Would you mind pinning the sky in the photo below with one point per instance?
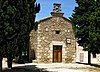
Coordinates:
(67, 7)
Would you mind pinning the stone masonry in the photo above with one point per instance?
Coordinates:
(54, 30)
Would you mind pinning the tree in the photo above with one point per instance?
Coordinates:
(4, 27)
(8, 33)
(1, 41)
(1, 46)
(26, 13)
(85, 24)
(24, 20)
(16, 21)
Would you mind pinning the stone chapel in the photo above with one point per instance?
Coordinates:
(53, 41)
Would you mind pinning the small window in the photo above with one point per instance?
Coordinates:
(58, 32)
(94, 55)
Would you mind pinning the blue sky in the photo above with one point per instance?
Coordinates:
(67, 7)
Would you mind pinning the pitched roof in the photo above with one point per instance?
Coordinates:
(44, 19)
(51, 17)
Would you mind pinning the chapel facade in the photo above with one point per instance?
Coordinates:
(53, 41)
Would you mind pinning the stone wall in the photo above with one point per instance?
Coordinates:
(33, 44)
(46, 36)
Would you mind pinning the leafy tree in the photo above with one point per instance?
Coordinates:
(16, 21)
(85, 21)
(26, 13)
(8, 34)
(1, 45)
(1, 42)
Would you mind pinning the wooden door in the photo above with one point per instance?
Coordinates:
(57, 53)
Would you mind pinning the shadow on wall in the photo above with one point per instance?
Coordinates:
(33, 54)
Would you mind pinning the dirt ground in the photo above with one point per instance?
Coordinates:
(52, 67)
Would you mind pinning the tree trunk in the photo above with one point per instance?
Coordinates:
(9, 61)
(1, 61)
(28, 50)
(89, 57)
(20, 46)
(20, 60)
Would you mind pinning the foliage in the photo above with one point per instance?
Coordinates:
(26, 13)
(16, 21)
(86, 19)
